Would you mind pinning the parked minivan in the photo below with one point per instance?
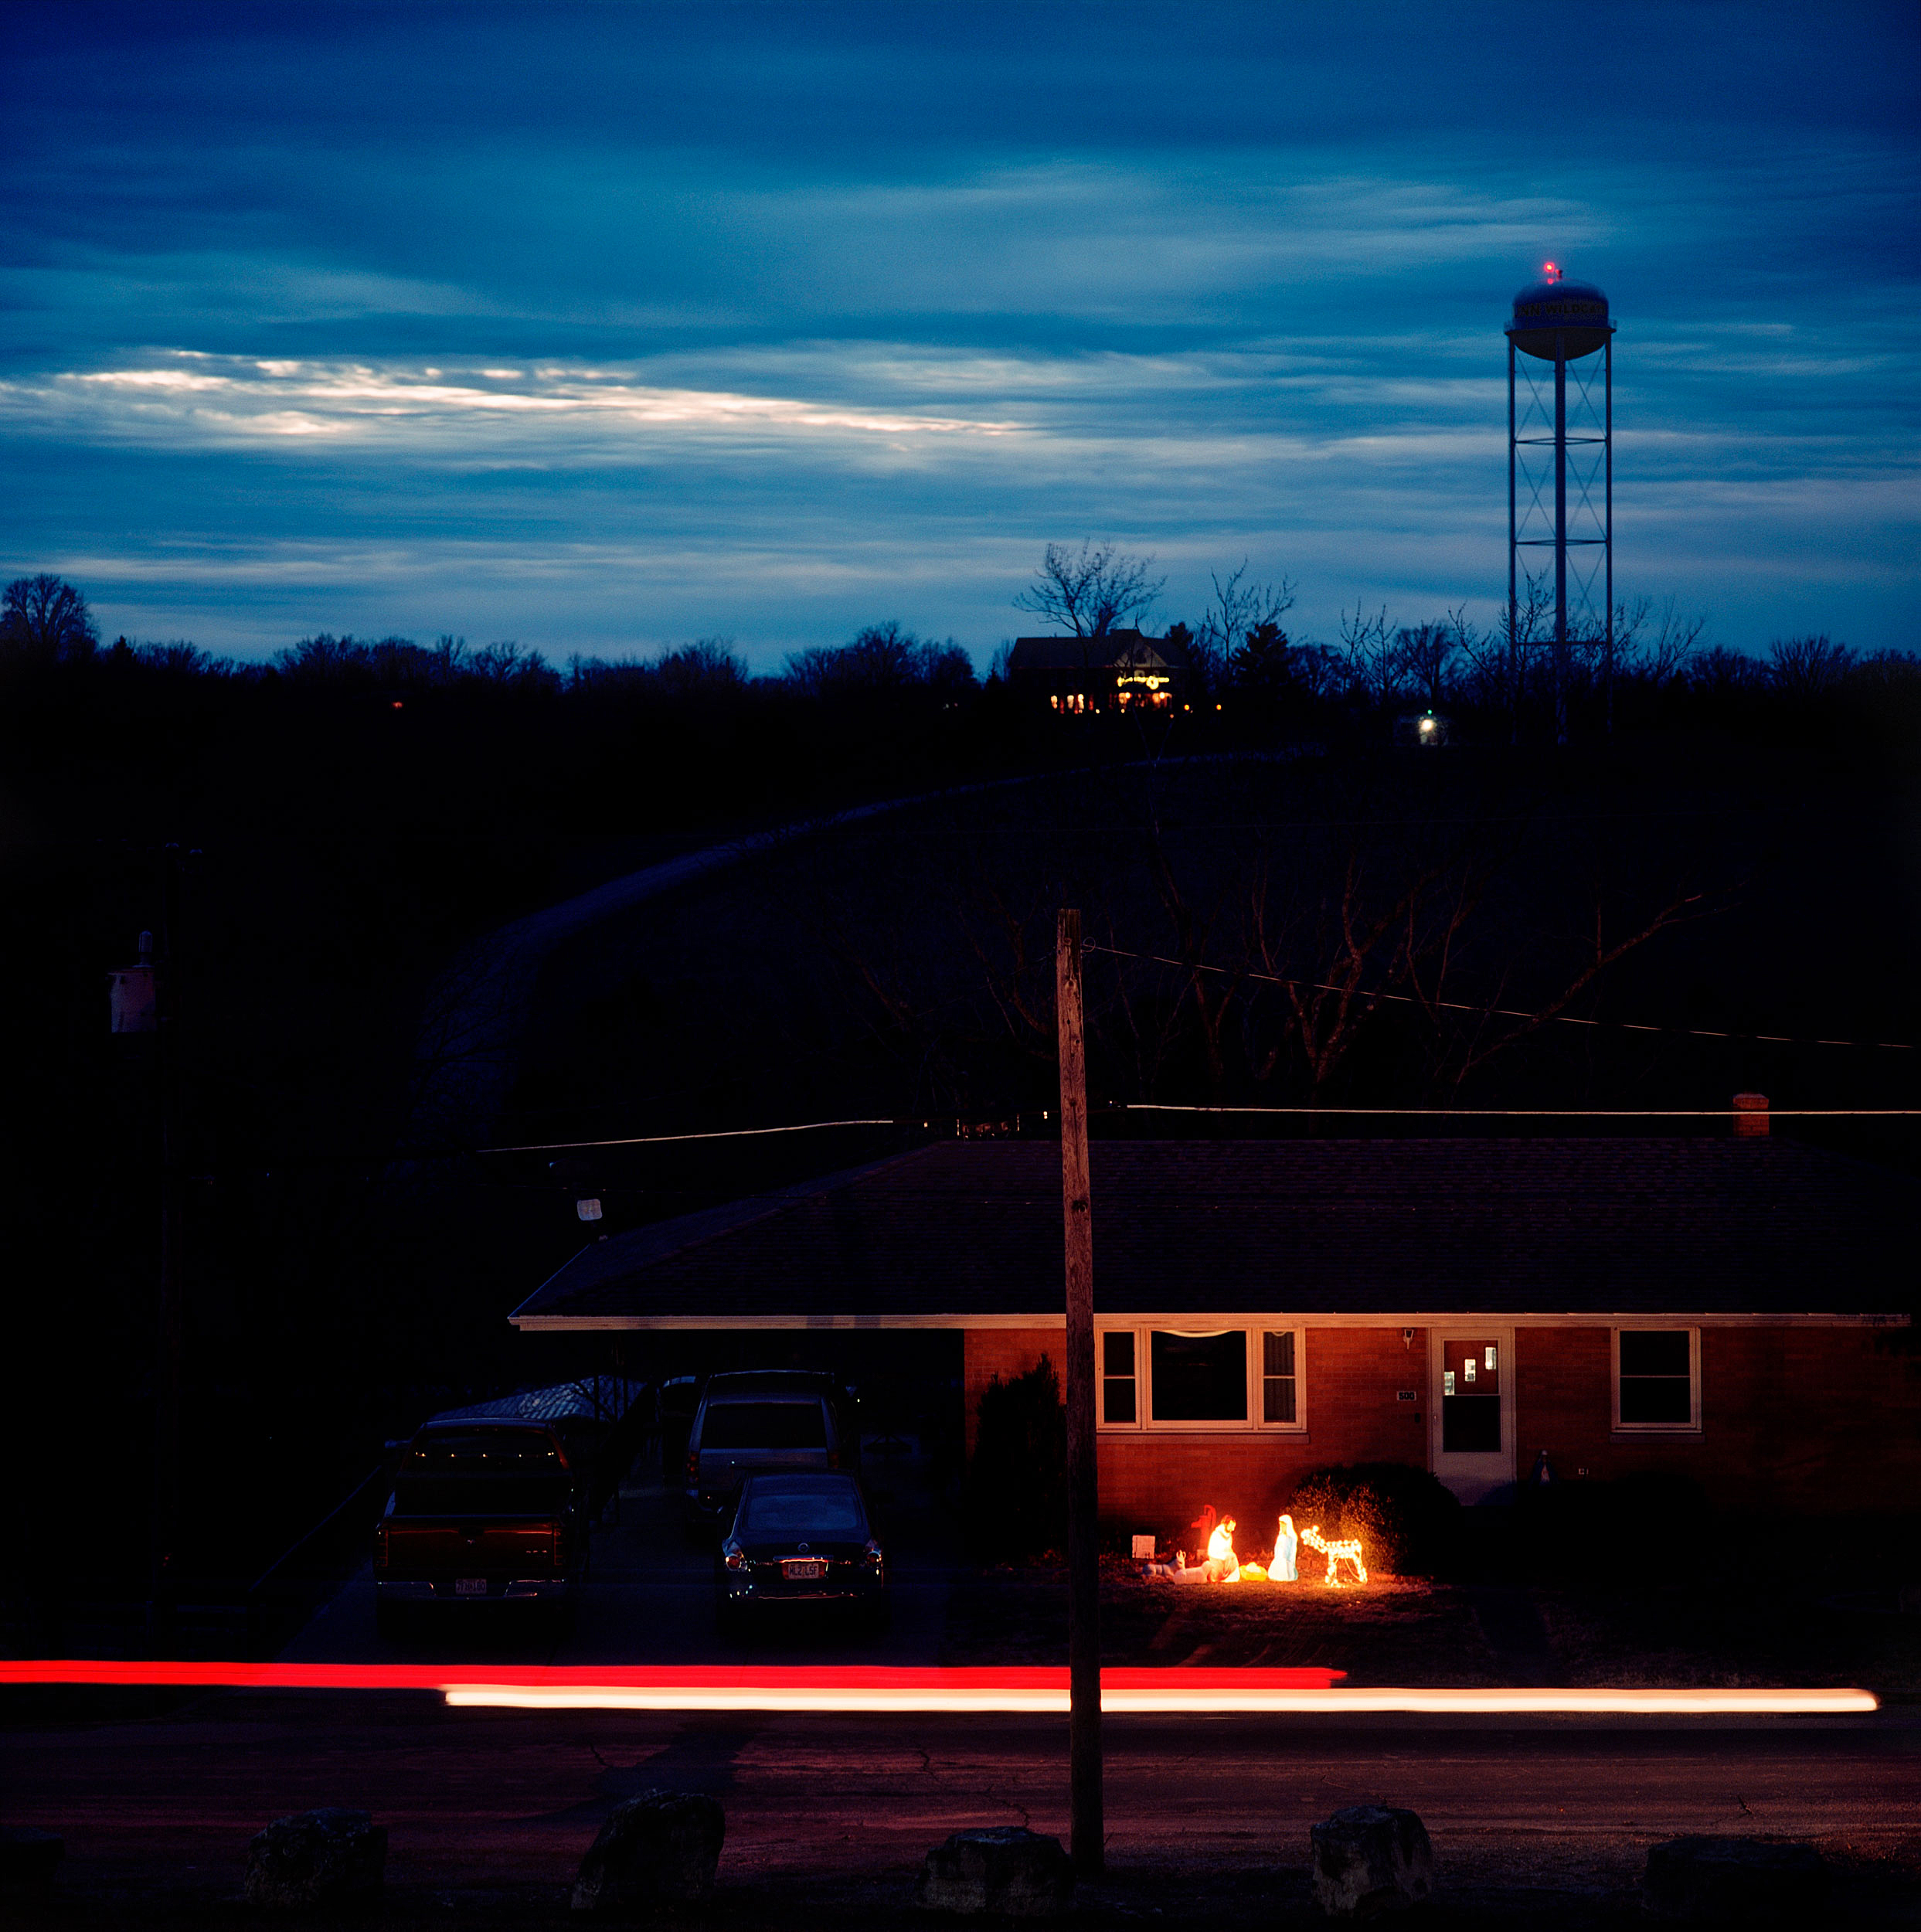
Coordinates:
(774, 1420)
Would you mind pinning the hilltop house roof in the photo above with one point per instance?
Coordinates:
(1112, 650)
(969, 1234)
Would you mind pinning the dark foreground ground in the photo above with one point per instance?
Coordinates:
(1540, 1822)
(1546, 1822)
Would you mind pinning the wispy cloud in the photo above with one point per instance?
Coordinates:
(184, 399)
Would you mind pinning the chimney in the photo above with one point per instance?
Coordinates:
(1750, 1116)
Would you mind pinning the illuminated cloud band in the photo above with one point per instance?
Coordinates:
(183, 398)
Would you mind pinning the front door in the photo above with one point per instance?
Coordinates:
(1470, 1411)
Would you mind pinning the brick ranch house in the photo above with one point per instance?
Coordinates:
(1718, 1308)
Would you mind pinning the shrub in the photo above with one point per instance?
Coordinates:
(1017, 1484)
(1406, 1519)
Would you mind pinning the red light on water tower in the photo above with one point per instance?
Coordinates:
(1549, 269)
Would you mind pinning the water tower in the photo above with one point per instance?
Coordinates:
(1561, 467)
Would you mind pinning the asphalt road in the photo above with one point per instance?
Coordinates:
(491, 1811)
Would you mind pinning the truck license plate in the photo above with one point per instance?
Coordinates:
(801, 1573)
(470, 1585)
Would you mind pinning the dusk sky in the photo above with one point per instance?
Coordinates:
(607, 328)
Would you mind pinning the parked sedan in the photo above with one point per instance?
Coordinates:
(796, 1540)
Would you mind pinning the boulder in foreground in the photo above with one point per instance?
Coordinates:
(660, 1849)
(29, 1856)
(1006, 1869)
(1372, 1858)
(330, 1857)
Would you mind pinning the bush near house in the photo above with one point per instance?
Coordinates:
(1593, 1532)
(1406, 1519)
(1017, 1484)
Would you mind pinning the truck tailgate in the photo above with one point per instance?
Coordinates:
(431, 1550)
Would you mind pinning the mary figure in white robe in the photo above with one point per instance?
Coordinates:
(1286, 1547)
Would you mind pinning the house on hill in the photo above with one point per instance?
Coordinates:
(1718, 1308)
(1119, 670)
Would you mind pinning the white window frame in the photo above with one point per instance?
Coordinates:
(1251, 1330)
(1692, 1425)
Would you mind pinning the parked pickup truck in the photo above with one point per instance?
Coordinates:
(483, 1511)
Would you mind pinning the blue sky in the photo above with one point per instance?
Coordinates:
(606, 328)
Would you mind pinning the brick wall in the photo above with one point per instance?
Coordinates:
(1160, 1480)
(1798, 1418)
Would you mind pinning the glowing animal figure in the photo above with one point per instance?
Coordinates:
(1348, 1549)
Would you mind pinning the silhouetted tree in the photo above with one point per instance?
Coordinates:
(1094, 592)
(45, 619)
(1655, 645)
(1239, 608)
(1370, 655)
(1804, 668)
(882, 658)
(1427, 654)
(1263, 665)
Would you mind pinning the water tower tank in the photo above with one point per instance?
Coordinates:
(1576, 311)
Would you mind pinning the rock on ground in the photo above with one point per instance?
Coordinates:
(1007, 1869)
(1748, 1880)
(1372, 1858)
(330, 1857)
(660, 1848)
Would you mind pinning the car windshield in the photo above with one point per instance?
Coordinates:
(765, 1425)
(828, 1513)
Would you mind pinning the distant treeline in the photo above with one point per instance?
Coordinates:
(1247, 673)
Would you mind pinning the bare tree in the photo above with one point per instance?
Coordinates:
(1808, 668)
(1371, 653)
(1240, 609)
(1658, 645)
(883, 656)
(45, 618)
(1522, 627)
(1091, 593)
(1428, 651)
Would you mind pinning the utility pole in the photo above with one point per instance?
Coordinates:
(1084, 1485)
(173, 1229)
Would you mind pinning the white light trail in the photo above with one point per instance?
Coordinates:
(1174, 1700)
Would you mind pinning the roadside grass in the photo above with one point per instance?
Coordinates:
(1713, 1616)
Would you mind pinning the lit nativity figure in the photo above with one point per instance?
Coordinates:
(1223, 1566)
(1287, 1549)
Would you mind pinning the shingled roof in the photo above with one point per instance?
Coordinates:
(1111, 651)
(969, 1233)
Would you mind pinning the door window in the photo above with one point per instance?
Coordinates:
(1470, 1395)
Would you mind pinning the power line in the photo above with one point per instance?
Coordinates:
(1502, 1012)
(1009, 1126)
(923, 1122)
(1553, 1113)
(719, 1134)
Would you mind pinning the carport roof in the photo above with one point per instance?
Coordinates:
(969, 1233)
